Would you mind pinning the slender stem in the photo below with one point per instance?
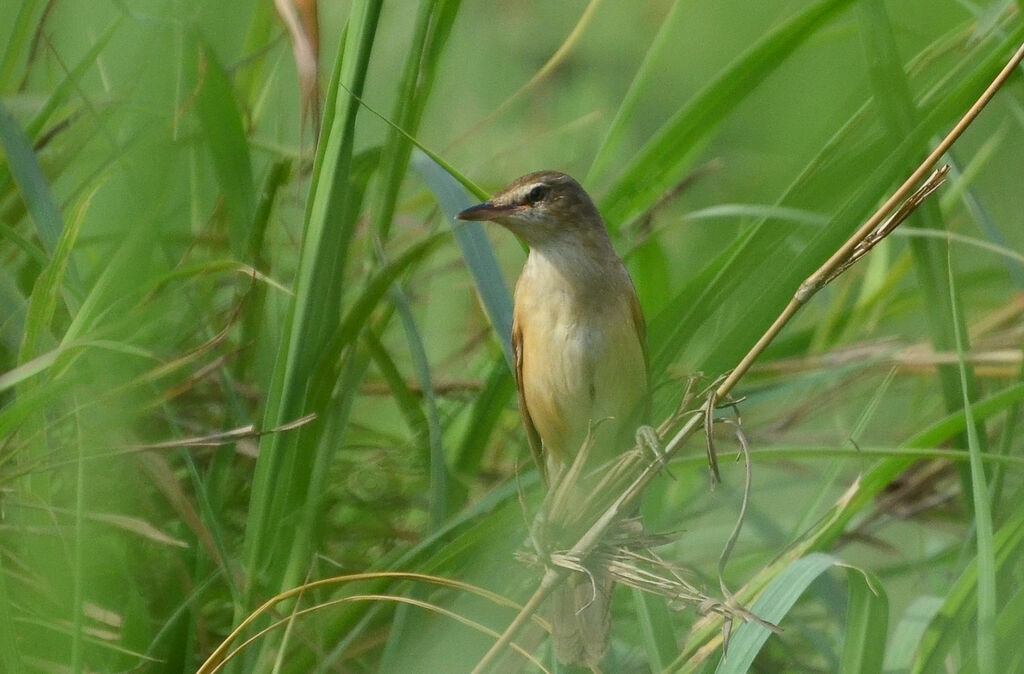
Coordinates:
(814, 280)
(552, 577)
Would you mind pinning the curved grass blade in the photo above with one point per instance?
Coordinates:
(476, 249)
(772, 605)
(867, 621)
(473, 526)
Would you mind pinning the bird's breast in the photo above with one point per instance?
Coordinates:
(583, 360)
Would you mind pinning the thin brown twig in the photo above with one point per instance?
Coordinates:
(817, 280)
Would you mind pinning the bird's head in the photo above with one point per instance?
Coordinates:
(541, 208)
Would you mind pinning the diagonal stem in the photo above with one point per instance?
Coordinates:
(814, 280)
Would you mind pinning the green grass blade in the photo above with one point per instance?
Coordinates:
(10, 654)
(476, 249)
(1011, 621)
(634, 96)
(861, 495)
(426, 556)
(433, 26)
(772, 605)
(959, 612)
(659, 638)
(402, 396)
(47, 291)
(28, 175)
(757, 254)
(13, 306)
(665, 159)
(438, 496)
(78, 570)
(302, 501)
(908, 632)
(224, 133)
(24, 25)
(488, 407)
(72, 80)
(986, 624)
(867, 621)
(330, 220)
(892, 91)
(61, 92)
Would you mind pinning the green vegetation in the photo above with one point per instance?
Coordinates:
(234, 359)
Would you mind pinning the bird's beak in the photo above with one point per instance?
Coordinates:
(484, 211)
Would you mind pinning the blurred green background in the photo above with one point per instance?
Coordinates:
(186, 272)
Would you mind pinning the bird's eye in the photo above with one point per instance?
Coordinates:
(536, 194)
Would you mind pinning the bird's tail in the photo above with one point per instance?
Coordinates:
(581, 618)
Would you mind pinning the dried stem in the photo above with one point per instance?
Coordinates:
(815, 280)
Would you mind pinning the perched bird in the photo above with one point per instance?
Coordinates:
(579, 341)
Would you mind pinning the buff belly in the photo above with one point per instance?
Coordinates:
(583, 369)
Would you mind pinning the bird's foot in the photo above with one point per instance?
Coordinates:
(647, 438)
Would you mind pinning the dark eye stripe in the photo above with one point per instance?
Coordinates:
(536, 194)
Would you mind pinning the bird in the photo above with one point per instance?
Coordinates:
(579, 343)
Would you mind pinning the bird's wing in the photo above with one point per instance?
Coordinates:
(531, 431)
(640, 325)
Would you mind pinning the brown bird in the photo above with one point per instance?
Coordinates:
(579, 341)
